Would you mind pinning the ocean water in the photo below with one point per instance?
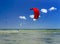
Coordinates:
(29, 37)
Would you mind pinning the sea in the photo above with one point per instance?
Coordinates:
(30, 36)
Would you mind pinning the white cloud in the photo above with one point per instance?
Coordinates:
(32, 16)
(44, 10)
(52, 8)
(22, 17)
(34, 19)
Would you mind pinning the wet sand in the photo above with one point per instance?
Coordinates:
(30, 37)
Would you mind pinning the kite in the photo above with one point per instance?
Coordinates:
(36, 12)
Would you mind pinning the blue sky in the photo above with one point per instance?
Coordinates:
(10, 10)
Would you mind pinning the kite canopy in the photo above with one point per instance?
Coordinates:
(36, 12)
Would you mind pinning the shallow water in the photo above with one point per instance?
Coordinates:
(30, 37)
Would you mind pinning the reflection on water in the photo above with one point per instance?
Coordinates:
(30, 37)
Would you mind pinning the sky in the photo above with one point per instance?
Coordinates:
(10, 10)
